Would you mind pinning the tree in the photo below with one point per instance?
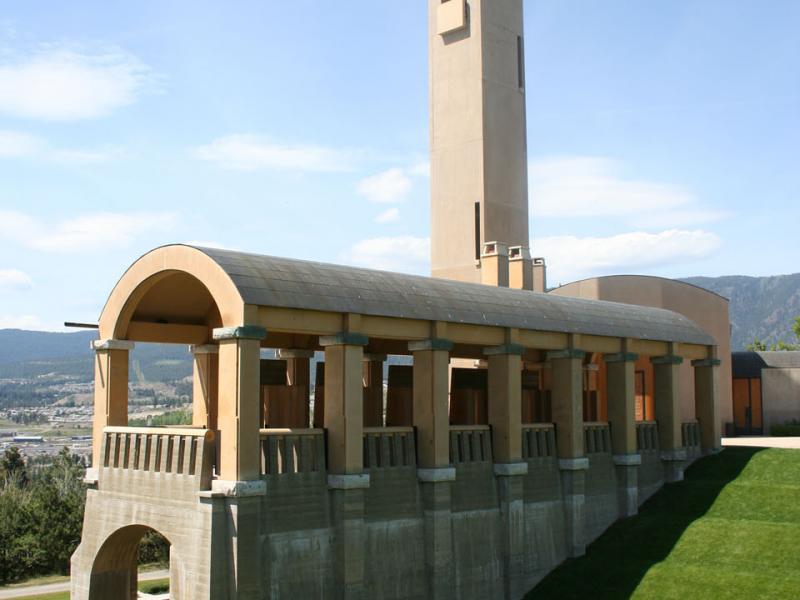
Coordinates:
(12, 467)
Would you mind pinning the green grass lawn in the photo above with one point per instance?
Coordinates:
(731, 530)
(157, 586)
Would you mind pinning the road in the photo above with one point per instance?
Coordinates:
(759, 442)
(63, 586)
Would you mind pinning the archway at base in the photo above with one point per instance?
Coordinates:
(116, 567)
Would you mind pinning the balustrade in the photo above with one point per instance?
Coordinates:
(647, 436)
(470, 444)
(690, 434)
(138, 459)
(597, 438)
(291, 451)
(538, 441)
(386, 447)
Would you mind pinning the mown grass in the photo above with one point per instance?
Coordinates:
(729, 531)
(157, 586)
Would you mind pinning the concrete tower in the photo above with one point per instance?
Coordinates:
(479, 185)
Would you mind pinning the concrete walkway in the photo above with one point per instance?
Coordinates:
(63, 586)
(763, 442)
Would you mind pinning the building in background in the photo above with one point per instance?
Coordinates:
(766, 390)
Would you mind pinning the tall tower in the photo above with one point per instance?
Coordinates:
(479, 182)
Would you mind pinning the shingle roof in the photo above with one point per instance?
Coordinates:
(290, 283)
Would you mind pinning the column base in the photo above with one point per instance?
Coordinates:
(627, 470)
(573, 485)
(674, 464)
(438, 531)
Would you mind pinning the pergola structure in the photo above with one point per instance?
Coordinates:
(230, 305)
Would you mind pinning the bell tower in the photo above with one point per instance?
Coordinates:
(479, 181)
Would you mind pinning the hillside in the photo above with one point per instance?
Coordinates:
(29, 354)
(761, 307)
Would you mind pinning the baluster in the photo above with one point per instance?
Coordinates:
(272, 455)
(319, 447)
(454, 448)
(411, 458)
(397, 450)
(305, 461)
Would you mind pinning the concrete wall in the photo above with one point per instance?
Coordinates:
(706, 309)
(780, 396)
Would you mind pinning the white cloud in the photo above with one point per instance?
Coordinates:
(58, 84)
(390, 215)
(387, 187)
(405, 254)
(576, 187)
(15, 144)
(571, 257)
(21, 322)
(83, 233)
(18, 144)
(251, 153)
(14, 279)
(421, 169)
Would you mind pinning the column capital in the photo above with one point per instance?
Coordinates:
(204, 349)
(431, 344)
(284, 353)
(100, 345)
(243, 332)
(707, 362)
(515, 349)
(669, 359)
(620, 357)
(345, 338)
(567, 353)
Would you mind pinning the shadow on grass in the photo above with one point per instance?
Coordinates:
(616, 562)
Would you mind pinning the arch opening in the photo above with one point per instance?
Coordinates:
(115, 571)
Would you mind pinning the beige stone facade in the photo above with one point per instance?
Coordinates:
(348, 510)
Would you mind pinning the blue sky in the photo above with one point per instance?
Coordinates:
(664, 138)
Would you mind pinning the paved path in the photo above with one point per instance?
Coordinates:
(760, 442)
(63, 586)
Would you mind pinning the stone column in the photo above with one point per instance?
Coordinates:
(505, 419)
(621, 393)
(204, 385)
(110, 392)
(239, 483)
(430, 414)
(344, 422)
(706, 403)
(567, 401)
(239, 398)
(373, 389)
(298, 378)
(666, 396)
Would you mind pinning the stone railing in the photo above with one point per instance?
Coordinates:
(155, 461)
(470, 444)
(289, 451)
(538, 441)
(386, 447)
(647, 436)
(597, 438)
(690, 434)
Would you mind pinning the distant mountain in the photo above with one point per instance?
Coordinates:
(29, 354)
(761, 307)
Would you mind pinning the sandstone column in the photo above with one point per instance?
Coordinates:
(239, 462)
(666, 394)
(110, 392)
(567, 401)
(621, 395)
(505, 418)
(204, 385)
(430, 414)
(706, 399)
(344, 422)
